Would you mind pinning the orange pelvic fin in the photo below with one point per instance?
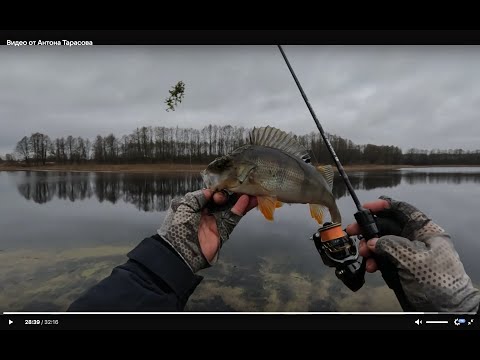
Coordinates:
(267, 206)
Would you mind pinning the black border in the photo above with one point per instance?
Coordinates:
(250, 37)
(238, 321)
(242, 37)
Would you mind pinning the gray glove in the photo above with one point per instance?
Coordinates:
(181, 224)
(429, 269)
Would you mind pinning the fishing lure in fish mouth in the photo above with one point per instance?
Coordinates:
(276, 169)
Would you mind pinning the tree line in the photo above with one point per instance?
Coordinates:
(188, 145)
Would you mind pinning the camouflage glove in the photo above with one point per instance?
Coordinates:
(429, 269)
(182, 222)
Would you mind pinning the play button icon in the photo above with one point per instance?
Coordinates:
(10, 322)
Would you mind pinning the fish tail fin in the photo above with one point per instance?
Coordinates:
(335, 214)
(317, 212)
(327, 173)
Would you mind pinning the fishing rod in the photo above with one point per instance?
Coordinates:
(336, 248)
(322, 133)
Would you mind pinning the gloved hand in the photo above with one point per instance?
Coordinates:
(429, 270)
(199, 223)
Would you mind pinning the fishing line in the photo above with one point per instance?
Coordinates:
(325, 139)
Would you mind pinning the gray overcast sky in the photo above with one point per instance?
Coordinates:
(408, 96)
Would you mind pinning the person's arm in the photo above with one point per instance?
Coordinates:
(154, 278)
(420, 255)
(160, 274)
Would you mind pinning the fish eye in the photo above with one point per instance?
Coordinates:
(222, 163)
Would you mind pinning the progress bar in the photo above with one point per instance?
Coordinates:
(436, 322)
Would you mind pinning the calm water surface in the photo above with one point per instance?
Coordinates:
(61, 232)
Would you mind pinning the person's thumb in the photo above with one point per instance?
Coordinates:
(227, 220)
(196, 200)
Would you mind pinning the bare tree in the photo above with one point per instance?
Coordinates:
(23, 149)
(88, 146)
(177, 144)
(98, 152)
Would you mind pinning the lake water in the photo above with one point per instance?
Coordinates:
(60, 233)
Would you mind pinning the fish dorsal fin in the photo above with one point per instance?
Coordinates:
(278, 139)
(327, 173)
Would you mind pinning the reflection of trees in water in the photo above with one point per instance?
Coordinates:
(366, 181)
(36, 188)
(108, 187)
(146, 192)
(73, 186)
(435, 178)
(156, 191)
(373, 180)
(41, 187)
(37, 192)
(153, 192)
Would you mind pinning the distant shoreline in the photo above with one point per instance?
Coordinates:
(176, 168)
(116, 168)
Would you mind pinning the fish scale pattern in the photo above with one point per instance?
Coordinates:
(273, 177)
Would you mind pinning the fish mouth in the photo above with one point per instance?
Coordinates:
(209, 180)
(205, 178)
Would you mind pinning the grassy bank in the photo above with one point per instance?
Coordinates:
(125, 168)
(171, 168)
(151, 168)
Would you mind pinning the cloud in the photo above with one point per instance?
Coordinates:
(408, 96)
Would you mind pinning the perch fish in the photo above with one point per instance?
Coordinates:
(276, 169)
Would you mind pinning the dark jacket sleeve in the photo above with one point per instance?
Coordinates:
(154, 278)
